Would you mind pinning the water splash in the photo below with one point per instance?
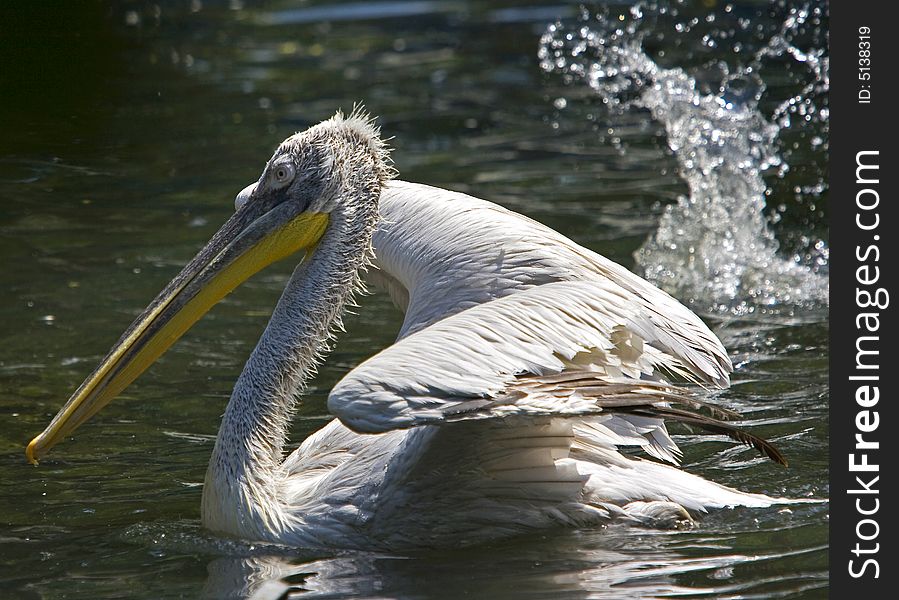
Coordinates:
(714, 248)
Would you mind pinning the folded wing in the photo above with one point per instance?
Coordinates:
(561, 349)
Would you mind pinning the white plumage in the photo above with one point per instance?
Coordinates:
(491, 297)
(524, 363)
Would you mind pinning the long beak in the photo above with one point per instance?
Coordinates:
(246, 243)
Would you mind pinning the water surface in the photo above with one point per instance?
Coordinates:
(127, 133)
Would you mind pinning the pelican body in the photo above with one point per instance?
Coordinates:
(524, 364)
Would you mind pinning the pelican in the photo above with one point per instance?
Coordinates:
(524, 365)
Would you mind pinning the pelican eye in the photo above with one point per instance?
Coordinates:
(282, 174)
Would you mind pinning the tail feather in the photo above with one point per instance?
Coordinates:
(622, 480)
(715, 426)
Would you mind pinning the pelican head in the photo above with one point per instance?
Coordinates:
(329, 175)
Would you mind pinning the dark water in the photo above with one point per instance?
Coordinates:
(127, 131)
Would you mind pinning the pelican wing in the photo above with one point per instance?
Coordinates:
(477, 361)
(440, 252)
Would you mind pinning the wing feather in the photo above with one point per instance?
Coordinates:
(473, 359)
(453, 251)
